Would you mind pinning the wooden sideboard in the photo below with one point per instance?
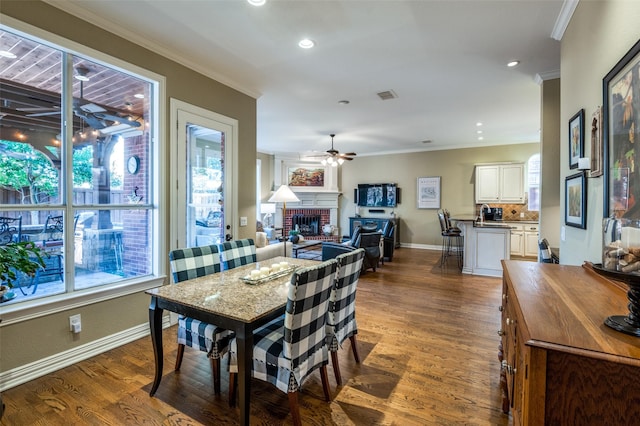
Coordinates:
(560, 364)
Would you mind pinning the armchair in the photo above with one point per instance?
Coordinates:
(369, 241)
(388, 238)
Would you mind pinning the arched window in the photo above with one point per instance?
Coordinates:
(533, 180)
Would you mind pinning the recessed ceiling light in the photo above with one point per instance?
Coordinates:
(478, 124)
(257, 2)
(480, 138)
(306, 43)
(138, 96)
(7, 54)
(343, 102)
(478, 131)
(513, 63)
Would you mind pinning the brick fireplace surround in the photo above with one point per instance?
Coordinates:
(323, 214)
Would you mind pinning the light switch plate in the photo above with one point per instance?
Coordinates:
(243, 221)
(562, 233)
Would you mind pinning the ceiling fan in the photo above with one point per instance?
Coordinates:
(334, 157)
(96, 116)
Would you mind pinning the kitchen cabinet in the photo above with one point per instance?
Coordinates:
(485, 246)
(560, 365)
(500, 183)
(524, 239)
(531, 240)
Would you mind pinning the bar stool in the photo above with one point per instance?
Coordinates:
(451, 237)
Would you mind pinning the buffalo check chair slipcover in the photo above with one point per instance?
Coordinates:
(194, 262)
(237, 253)
(341, 318)
(287, 349)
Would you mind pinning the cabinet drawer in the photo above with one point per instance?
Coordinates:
(530, 227)
(515, 226)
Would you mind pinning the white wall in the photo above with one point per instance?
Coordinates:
(598, 35)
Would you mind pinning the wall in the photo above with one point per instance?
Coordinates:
(39, 338)
(598, 35)
(420, 227)
(550, 162)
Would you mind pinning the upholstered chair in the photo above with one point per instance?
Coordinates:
(388, 238)
(237, 253)
(370, 242)
(341, 318)
(186, 264)
(288, 349)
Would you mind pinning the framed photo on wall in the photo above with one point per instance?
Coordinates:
(575, 204)
(576, 139)
(428, 192)
(621, 135)
(596, 143)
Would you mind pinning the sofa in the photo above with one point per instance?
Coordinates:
(266, 250)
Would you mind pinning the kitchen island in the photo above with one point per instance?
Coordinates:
(485, 246)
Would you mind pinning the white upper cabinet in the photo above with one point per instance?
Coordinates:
(500, 183)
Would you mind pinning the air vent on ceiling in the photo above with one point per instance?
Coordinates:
(387, 94)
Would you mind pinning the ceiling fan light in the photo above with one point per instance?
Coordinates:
(334, 164)
(330, 160)
(340, 161)
(323, 162)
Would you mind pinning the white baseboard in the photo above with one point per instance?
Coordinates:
(421, 246)
(44, 366)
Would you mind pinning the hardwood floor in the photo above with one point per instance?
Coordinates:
(428, 347)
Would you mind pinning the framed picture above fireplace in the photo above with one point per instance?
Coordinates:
(302, 176)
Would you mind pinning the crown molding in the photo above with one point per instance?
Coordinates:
(540, 77)
(566, 12)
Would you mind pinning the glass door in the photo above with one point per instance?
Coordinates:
(204, 203)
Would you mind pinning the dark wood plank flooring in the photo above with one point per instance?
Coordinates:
(428, 346)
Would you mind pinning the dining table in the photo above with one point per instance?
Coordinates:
(228, 300)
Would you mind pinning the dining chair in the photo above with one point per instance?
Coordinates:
(289, 348)
(341, 317)
(186, 264)
(237, 253)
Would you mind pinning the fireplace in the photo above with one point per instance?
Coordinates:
(307, 224)
(310, 222)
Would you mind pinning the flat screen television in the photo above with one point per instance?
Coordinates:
(377, 195)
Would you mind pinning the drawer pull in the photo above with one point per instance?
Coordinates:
(501, 333)
(501, 308)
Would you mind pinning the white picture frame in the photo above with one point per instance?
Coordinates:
(428, 195)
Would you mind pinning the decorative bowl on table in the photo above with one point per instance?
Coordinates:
(268, 273)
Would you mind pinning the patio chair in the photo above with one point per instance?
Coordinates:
(288, 349)
(341, 319)
(186, 264)
(10, 230)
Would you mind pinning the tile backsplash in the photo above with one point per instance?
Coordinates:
(511, 212)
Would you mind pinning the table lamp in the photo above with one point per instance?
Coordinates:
(267, 209)
(282, 195)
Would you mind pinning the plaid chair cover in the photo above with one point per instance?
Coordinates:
(194, 262)
(341, 319)
(288, 348)
(237, 253)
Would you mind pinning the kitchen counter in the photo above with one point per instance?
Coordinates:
(485, 245)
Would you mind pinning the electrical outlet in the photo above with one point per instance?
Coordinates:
(75, 324)
(521, 214)
(243, 221)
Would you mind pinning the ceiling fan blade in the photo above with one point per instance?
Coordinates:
(351, 154)
(117, 118)
(38, 109)
(42, 114)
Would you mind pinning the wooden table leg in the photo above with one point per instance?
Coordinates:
(244, 339)
(155, 323)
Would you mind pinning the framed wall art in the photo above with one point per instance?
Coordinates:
(429, 192)
(621, 134)
(305, 176)
(596, 143)
(575, 204)
(576, 139)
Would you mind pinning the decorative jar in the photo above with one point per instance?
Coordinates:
(621, 245)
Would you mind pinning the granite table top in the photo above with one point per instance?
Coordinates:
(225, 293)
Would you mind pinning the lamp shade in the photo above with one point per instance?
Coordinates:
(283, 194)
(267, 208)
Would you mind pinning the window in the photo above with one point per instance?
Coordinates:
(533, 180)
(92, 178)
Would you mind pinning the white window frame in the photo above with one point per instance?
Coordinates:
(34, 308)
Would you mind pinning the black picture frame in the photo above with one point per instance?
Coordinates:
(575, 200)
(576, 139)
(621, 114)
